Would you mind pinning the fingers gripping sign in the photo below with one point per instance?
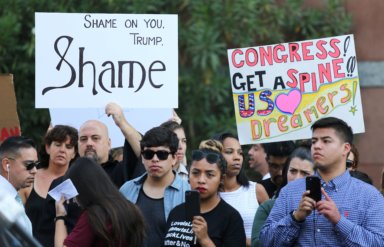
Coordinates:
(328, 208)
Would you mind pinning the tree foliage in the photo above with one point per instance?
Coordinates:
(207, 28)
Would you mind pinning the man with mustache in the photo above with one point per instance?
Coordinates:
(277, 155)
(349, 212)
(18, 157)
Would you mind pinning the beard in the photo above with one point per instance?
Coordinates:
(91, 153)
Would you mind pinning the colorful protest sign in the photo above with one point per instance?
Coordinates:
(9, 120)
(280, 90)
(88, 60)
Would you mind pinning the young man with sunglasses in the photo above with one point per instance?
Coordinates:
(160, 189)
(18, 158)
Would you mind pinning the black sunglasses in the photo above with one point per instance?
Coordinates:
(29, 165)
(349, 163)
(212, 158)
(161, 154)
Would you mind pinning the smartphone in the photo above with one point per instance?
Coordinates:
(313, 184)
(192, 204)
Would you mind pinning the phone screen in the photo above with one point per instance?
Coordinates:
(313, 184)
(192, 204)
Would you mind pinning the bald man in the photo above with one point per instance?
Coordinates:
(94, 142)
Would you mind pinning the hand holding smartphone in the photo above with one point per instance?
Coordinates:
(313, 184)
(192, 204)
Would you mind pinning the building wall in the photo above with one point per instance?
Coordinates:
(367, 27)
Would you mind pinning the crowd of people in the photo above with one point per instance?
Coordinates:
(139, 197)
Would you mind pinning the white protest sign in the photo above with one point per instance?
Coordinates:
(87, 60)
(141, 119)
(280, 90)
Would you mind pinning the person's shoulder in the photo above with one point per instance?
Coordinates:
(293, 188)
(224, 206)
(295, 184)
(179, 208)
(268, 204)
(180, 183)
(365, 188)
(132, 183)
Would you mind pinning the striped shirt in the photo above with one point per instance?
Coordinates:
(361, 208)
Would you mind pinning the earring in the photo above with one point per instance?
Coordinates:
(8, 171)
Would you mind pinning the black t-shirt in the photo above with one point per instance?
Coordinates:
(225, 227)
(269, 187)
(154, 218)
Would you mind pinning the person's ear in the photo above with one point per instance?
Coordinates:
(174, 160)
(347, 149)
(47, 149)
(5, 164)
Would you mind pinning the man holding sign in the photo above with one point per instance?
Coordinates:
(349, 212)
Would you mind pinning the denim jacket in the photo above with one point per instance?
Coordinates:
(174, 194)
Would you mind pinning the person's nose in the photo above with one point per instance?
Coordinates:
(201, 179)
(155, 158)
(62, 148)
(89, 142)
(316, 145)
(237, 156)
(33, 170)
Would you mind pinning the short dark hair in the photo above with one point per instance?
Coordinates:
(241, 178)
(342, 129)
(13, 144)
(279, 149)
(160, 136)
(59, 133)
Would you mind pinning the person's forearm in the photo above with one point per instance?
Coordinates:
(60, 233)
(207, 243)
(132, 136)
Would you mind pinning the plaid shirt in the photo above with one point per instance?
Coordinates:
(361, 207)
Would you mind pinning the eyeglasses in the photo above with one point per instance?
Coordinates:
(28, 165)
(161, 154)
(350, 163)
(212, 158)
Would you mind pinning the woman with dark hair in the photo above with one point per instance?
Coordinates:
(108, 218)
(237, 190)
(58, 149)
(298, 165)
(218, 224)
